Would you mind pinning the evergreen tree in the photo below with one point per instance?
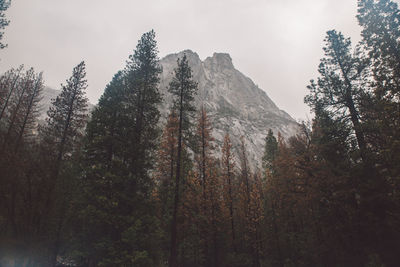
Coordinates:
(9, 82)
(210, 189)
(245, 173)
(142, 78)
(165, 174)
(380, 20)
(67, 116)
(381, 107)
(338, 88)
(270, 150)
(61, 139)
(183, 88)
(120, 226)
(21, 92)
(20, 107)
(229, 185)
(381, 112)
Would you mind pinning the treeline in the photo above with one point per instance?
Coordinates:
(114, 188)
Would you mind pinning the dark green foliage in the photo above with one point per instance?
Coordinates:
(118, 219)
(67, 115)
(61, 141)
(338, 89)
(270, 150)
(381, 31)
(381, 106)
(183, 88)
(141, 110)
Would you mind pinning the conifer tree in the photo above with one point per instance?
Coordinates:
(244, 173)
(380, 24)
(211, 189)
(9, 83)
(61, 139)
(270, 150)
(20, 108)
(228, 174)
(165, 174)
(244, 195)
(381, 32)
(141, 78)
(120, 147)
(183, 88)
(380, 20)
(18, 131)
(338, 88)
(67, 116)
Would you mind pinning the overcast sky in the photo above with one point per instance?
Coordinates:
(277, 43)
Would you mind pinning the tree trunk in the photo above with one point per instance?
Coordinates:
(173, 260)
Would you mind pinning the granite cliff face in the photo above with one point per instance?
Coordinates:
(234, 103)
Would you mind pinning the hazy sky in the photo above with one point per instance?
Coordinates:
(277, 43)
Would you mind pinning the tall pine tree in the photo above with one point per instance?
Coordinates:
(183, 88)
(119, 222)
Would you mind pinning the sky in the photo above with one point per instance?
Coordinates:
(277, 43)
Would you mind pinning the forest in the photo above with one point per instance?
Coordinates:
(114, 186)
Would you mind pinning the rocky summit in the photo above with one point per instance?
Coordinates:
(234, 103)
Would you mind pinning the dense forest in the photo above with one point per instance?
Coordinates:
(116, 187)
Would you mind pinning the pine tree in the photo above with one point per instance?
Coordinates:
(119, 154)
(228, 173)
(20, 109)
(142, 77)
(381, 113)
(245, 185)
(61, 139)
(244, 172)
(204, 148)
(381, 106)
(165, 174)
(380, 20)
(21, 92)
(9, 83)
(211, 188)
(67, 116)
(255, 219)
(183, 88)
(270, 150)
(338, 88)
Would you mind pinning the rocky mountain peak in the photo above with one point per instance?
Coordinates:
(220, 60)
(235, 104)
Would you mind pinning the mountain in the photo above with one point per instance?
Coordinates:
(234, 103)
